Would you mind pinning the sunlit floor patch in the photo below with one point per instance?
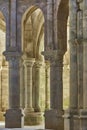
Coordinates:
(2, 127)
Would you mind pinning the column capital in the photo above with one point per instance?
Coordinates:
(54, 56)
(14, 58)
(11, 55)
(38, 64)
(47, 64)
(29, 62)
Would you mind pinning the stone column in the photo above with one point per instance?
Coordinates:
(0, 92)
(1, 113)
(73, 102)
(83, 112)
(28, 64)
(69, 121)
(47, 85)
(22, 87)
(73, 77)
(72, 121)
(14, 115)
(38, 65)
(53, 117)
(29, 110)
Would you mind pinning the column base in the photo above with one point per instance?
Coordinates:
(34, 118)
(2, 118)
(83, 119)
(54, 120)
(71, 120)
(37, 109)
(28, 110)
(14, 118)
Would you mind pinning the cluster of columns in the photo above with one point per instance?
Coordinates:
(31, 89)
(75, 118)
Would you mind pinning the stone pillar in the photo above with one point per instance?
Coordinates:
(14, 115)
(28, 64)
(53, 117)
(72, 119)
(83, 111)
(38, 65)
(72, 112)
(22, 87)
(73, 77)
(0, 92)
(80, 73)
(47, 85)
(1, 113)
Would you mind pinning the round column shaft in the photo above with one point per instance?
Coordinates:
(38, 65)
(47, 86)
(28, 63)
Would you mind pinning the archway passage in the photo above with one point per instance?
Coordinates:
(35, 71)
(3, 69)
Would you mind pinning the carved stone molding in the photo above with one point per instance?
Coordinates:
(54, 56)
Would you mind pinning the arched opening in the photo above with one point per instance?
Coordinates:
(35, 71)
(63, 45)
(3, 69)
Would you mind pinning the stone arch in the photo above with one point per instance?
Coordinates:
(32, 46)
(39, 21)
(62, 17)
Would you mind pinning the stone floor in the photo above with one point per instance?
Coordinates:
(38, 127)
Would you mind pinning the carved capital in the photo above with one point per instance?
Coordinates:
(38, 64)
(55, 57)
(29, 62)
(14, 59)
(47, 65)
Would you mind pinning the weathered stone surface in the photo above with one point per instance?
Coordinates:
(32, 27)
(34, 118)
(54, 120)
(14, 118)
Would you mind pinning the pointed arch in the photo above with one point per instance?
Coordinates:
(32, 24)
(62, 17)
